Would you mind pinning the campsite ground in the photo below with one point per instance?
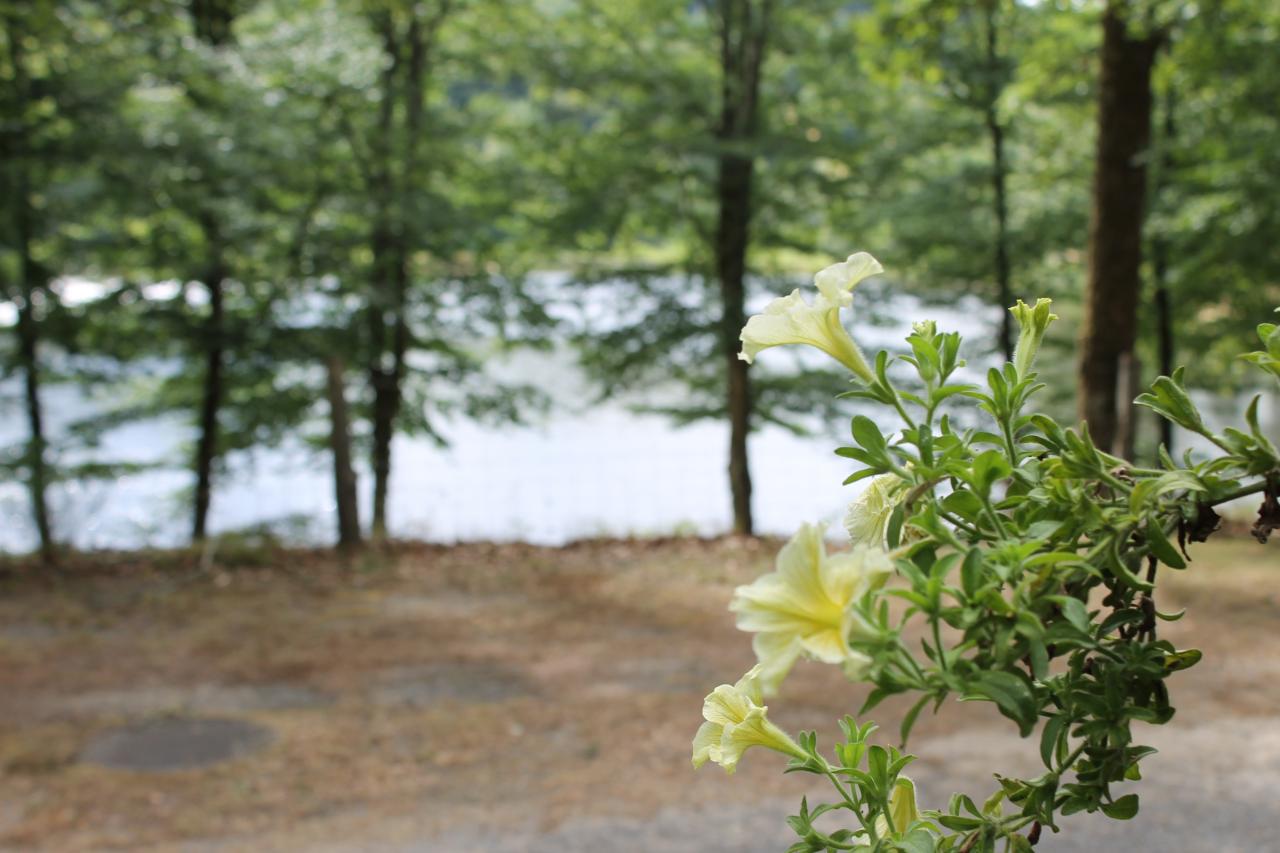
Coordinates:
(507, 697)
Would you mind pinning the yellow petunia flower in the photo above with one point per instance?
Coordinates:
(867, 520)
(804, 607)
(792, 319)
(735, 721)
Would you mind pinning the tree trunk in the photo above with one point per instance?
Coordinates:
(33, 279)
(1160, 266)
(386, 405)
(734, 191)
(214, 341)
(743, 29)
(28, 349)
(1115, 228)
(344, 476)
(392, 239)
(212, 19)
(999, 175)
(1164, 327)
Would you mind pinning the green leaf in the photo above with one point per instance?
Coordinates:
(1122, 809)
(1182, 660)
(971, 572)
(1049, 736)
(1170, 399)
(868, 435)
(918, 841)
(909, 721)
(1074, 611)
(1161, 548)
(1012, 695)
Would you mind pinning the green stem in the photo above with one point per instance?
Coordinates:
(995, 517)
(963, 525)
(1010, 445)
(897, 404)
(937, 642)
(849, 801)
(1243, 491)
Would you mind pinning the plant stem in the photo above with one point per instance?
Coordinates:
(1243, 491)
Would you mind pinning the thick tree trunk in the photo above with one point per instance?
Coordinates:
(743, 28)
(999, 175)
(214, 340)
(1115, 228)
(734, 190)
(344, 475)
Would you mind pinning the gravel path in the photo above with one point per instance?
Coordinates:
(1209, 790)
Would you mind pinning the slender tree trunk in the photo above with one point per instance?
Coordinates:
(999, 175)
(393, 240)
(214, 340)
(743, 29)
(33, 279)
(344, 475)
(1164, 325)
(28, 356)
(1160, 266)
(211, 398)
(1115, 228)
(211, 20)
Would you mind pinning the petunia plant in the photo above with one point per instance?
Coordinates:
(1008, 560)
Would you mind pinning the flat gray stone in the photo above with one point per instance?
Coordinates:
(466, 682)
(165, 700)
(175, 743)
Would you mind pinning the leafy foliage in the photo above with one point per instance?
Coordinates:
(1031, 560)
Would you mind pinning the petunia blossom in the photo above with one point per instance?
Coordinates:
(805, 606)
(735, 721)
(792, 319)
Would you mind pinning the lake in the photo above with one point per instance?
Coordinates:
(581, 471)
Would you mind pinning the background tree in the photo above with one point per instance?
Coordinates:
(1129, 49)
(691, 146)
(63, 75)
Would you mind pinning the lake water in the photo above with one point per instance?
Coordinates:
(582, 471)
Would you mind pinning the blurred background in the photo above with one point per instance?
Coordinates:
(394, 275)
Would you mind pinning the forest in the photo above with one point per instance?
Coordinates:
(321, 222)
(413, 409)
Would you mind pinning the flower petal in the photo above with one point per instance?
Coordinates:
(837, 281)
(706, 744)
(777, 653)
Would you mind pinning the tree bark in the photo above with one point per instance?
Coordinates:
(1160, 267)
(212, 19)
(743, 29)
(999, 175)
(391, 239)
(28, 356)
(344, 476)
(214, 343)
(1115, 228)
(33, 281)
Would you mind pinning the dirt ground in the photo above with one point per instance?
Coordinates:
(520, 698)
